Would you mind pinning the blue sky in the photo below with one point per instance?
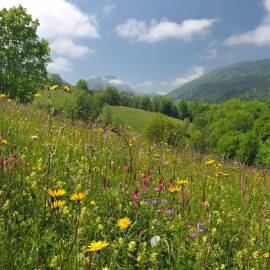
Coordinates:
(153, 45)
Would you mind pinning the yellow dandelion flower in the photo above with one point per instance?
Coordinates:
(77, 196)
(54, 87)
(174, 189)
(266, 254)
(181, 182)
(3, 141)
(209, 162)
(38, 95)
(97, 246)
(124, 223)
(66, 89)
(56, 192)
(57, 204)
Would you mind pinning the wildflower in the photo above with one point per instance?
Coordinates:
(57, 204)
(266, 255)
(132, 246)
(124, 223)
(77, 196)
(97, 246)
(126, 168)
(66, 89)
(93, 203)
(153, 257)
(38, 95)
(193, 234)
(56, 192)
(136, 197)
(54, 87)
(160, 186)
(3, 141)
(2, 96)
(155, 240)
(181, 182)
(157, 155)
(174, 189)
(209, 162)
(222, 174)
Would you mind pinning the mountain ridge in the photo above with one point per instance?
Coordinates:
(245, 80)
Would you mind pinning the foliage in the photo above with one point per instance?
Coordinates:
(23, 56)
(74, 197)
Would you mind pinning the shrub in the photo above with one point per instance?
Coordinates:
(161, 129)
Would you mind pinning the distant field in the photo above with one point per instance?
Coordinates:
(136, 118)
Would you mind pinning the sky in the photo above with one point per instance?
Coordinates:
(151, 45)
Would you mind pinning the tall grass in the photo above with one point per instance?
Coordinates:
(218, 219)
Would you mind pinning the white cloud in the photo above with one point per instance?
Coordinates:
(116, 81)
(61, 23)
(66, 46)
(146, 84)
(60, 64)
(165, 29)
(259, 36)
(58, 18)
(195, 73)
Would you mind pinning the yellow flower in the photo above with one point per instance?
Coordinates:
(56, 192)
(3, 141)
(38, 95)
(181, 182)
(266, 254)
(124, 223)
(209, 162)
(97, 246)
(77, 196)
(2, 96)
(54, 87)
(66, 89)
(93, 203)
(222, 174)
(57, 204)
(174, 189)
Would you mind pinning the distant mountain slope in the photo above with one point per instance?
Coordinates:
(247, 80)
(100, 83)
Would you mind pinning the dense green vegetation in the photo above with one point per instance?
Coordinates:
(23, 56)
(65, 186)
(246, 81)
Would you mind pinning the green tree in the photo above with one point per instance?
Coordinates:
(82, 84)
(23, 55)
(111, 96)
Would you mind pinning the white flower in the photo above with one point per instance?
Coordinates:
(155, 240)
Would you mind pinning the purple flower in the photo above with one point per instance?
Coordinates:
(193, 234)
(169, 211)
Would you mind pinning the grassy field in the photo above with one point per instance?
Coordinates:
(137, 119)
(74, 197)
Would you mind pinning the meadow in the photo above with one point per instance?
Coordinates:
(137, 119)
(75, 196)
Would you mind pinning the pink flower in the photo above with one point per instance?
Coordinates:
(126, 168)
(160, 186)
(136, 197)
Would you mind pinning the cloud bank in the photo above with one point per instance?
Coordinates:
(260, 36)
(165, 29)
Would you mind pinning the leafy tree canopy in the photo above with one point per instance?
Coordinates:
(23, 55)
